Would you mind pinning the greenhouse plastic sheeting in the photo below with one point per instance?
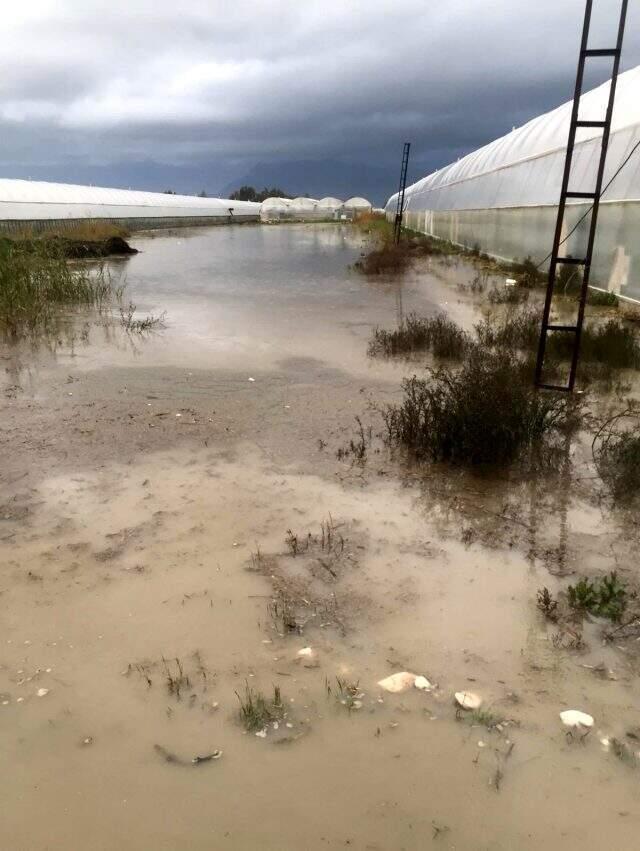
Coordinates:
(26, 200)
(503, 197)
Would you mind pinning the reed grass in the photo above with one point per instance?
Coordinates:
(37, 284)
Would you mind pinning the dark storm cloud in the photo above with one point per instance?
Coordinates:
(227, 84)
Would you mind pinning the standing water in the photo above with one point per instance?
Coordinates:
(184, 513)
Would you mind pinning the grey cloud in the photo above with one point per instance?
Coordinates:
(224, 85)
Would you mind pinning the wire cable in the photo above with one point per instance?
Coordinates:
(584, 216)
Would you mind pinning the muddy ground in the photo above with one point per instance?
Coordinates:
(167, 504)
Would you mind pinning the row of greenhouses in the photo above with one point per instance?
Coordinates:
(310, 209)
(27, 202)
(503, 197)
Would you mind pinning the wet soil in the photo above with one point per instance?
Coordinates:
(151, 491)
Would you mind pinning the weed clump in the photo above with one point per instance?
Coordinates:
(614, 343)
(484, 414)
(516, 330)
(416, 334)
(528, 274)
(257, 710)
(508, 295)
(616, 452)
(140, 326)
(606, 597)
(386, 258)
(602, 298)
(547, 605)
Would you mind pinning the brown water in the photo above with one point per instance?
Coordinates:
(130, 535)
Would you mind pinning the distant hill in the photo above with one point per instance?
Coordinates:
(320, 178)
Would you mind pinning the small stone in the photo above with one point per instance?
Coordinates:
(575, 718)
(468, 700)
(42, 692)
(305, 653)
(398, 682)
(261, 734)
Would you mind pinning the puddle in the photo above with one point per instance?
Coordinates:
(145, 556)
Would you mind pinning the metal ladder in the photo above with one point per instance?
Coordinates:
(557, 259)
(397, 225)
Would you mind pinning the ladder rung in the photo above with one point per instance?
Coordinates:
(612, 51)
(561, 387)
(562, 328)
(572, 261)
(581, 123)
(592, 195)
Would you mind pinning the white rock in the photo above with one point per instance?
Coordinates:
(468, 700)
(510, 282)
(306, 653)
(576, 718)
(398, 682)
(42, 692)
(261, 734)
(422, 683)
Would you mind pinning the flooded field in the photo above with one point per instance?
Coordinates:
(183, 513)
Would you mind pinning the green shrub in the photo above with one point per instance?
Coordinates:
(606, 597)
(484, 414)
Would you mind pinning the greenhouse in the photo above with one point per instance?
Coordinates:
(358, 205)
(275, 209)
(301, 209)
(503, 197)
(26, 202)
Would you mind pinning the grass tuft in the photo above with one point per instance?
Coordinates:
(257, 710)
(415, 334)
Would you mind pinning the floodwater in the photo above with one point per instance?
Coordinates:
(149, 489)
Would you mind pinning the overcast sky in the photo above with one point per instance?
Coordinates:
(214, 87)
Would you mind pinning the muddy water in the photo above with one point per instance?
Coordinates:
(131, 537)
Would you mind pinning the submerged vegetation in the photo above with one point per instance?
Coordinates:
(140, 326)
(415, 334)
(386, 256)
(257, 710)
(37, 283)
(614, 344)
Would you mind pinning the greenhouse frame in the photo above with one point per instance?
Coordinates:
(502, 199)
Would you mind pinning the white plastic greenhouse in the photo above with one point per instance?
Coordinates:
(330, 203)
(503, 197)
(29, 202)
(358, 205)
